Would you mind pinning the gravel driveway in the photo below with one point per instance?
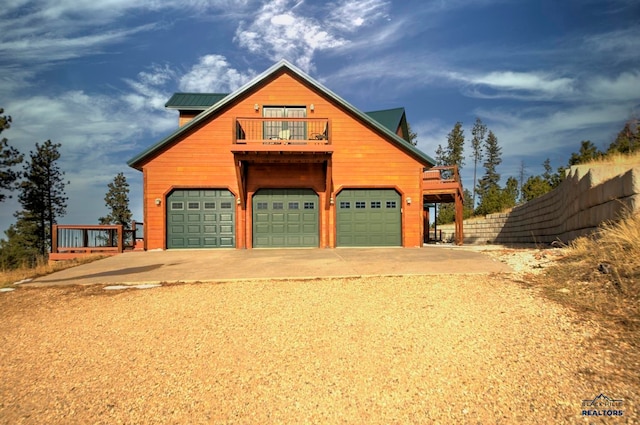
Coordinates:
(445, 349)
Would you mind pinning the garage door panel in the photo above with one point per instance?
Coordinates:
(285, 218)
(207, 214)
(369, 217)
(294, 228)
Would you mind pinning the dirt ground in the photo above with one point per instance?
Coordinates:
(426, 349)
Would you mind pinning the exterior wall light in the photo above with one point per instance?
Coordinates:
(158, 201)
(256, 107)
(408, 201)
(238, 201)
(331, 201)
(312, 107)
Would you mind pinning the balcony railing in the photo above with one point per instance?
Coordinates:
(71, 241)
(442, 174)
(282, 131)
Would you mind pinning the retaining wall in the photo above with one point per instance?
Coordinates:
(589, 196)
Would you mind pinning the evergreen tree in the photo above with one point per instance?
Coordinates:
(42, 193)
(588, 152)
(627, 140)
(117, 200)
(534, 186)
(455, 146)
(9, 158)
(20, 248)
(451, 155)
(488, 186)
(510, 193)
(413, 137)
(479, 131)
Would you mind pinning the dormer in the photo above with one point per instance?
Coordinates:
(190, 105)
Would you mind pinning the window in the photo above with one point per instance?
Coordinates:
(376, 204)
(309, 205)
(262, 205)
(225, 205)
(361, 204)
(193, 205)
(294, 205)
(177, 206)
(391, 204)
(209, 205)
(345, 205)
(281, 129)
(278, 205)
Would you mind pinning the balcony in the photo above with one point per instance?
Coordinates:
(282, 135)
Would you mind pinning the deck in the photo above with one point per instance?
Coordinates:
(442, 184)
(72, 241)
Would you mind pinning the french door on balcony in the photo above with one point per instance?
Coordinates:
(285, 130)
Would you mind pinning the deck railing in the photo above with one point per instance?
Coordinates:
(72, 240)
(442, 174)
(282, 131)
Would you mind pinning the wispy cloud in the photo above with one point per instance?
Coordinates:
(279, 31)
(290, 30)
(352, 15)
(214, 74)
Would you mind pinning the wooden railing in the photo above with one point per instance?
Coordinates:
(282, 131)
(72, 241)
(442, 174)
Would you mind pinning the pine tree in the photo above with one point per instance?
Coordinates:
(20, 248)
(452, 154)
(626, 141)
(488, 186)
(510, 193)
(455, 146)
(117, 200)
(9, 158)
(42, 193)
(588, 152)
(413, 137)
(479, 131)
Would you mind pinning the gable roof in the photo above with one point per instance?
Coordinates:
(194, 101)
(392, 119)
(136, 162)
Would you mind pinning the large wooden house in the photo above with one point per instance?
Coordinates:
(284, 162)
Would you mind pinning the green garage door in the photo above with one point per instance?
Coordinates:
(200, 219)
(285, 218)
(369, 217)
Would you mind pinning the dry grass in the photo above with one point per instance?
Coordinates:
(630, 159)
(42, 268)
(600, 278)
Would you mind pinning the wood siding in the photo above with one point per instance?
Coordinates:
(362, 158)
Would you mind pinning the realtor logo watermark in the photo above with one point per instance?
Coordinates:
(602, 405)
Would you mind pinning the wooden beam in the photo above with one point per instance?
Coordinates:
(241, 180)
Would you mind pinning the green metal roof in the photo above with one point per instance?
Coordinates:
(137, 161)
(194, 101)
(390, 118)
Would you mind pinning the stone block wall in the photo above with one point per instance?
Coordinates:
(589, 196)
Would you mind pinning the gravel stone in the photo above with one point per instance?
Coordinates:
(421, 349)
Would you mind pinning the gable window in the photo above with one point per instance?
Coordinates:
(282, 129)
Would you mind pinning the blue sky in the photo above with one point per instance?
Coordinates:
(94, 74)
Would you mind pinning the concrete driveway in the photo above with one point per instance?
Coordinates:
(223, 265)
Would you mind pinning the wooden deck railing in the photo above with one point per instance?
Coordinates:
(442, 174)
(282, 131)
(72, 240)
